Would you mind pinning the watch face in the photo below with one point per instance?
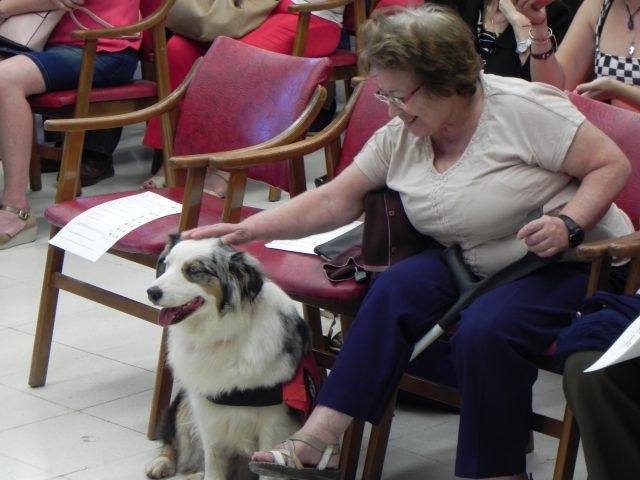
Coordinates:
(522, 47)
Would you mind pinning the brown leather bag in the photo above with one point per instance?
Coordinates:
(388, 237)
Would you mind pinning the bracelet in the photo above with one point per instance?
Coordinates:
(535, 40)
(544, 55)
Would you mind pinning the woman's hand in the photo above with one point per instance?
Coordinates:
(229, 233)
(534, 10)
(545, 236)
(67, 5)
(511, 13)
(602, 88)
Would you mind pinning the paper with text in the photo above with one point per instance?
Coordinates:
(627, 346)
(307, 244)
(92, 233)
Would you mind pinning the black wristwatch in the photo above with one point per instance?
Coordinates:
(576, 234)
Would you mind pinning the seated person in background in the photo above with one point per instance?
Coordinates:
(56, 68)
(471, 155)
(606, 402)
(502, 33)
(276, 34)
(597, 57)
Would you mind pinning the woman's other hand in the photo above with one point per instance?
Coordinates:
(511, 13)
(534, 10)
(229, 233)
(545, 236)
(603, 88)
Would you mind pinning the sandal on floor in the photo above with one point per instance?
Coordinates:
(27, 234)
(288, 465)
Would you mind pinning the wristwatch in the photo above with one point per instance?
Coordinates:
(576, 234)
(523, 46)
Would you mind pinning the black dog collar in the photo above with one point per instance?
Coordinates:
(255, 397)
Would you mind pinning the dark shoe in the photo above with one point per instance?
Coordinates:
(324, 118)
(95, 168)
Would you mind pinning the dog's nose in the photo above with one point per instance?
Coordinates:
(154, 294)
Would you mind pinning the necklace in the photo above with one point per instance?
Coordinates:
(631, 27)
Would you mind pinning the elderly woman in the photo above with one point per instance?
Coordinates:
(471, 155)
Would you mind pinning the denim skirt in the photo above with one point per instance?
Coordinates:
(60, 66)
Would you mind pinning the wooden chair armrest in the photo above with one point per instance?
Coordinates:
(627, 246)
(167, 104)
(602, 248)
(126, 30)
(235, 158)
(279, 150)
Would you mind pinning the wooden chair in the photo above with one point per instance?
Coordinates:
(272, 103)
(86, 101)
(303, 278)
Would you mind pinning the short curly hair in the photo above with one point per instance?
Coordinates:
(431, 41)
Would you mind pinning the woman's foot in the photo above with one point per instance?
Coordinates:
(17, 227)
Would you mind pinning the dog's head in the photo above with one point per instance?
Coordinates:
(192, 274)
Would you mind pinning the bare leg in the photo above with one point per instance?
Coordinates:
(325, 424)
(19, 78)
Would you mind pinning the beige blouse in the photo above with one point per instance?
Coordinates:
(510, 167)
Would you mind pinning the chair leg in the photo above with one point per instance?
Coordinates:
(46, 318)
(567, 448)
(275, 194)
(377, 448)
(162, 389)
(350, 450)
(35, 176)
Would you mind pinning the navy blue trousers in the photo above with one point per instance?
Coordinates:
(487, 352)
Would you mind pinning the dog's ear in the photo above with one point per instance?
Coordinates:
(161, 266)
(247, 273)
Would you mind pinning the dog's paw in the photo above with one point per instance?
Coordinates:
(161, 467)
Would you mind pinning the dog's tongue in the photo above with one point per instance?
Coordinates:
(167, 315)
(173, 315)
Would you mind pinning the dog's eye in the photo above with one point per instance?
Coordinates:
(192, 270)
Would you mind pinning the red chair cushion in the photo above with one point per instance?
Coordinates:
(302, 274)
(151, 237)
(343, 58)
(66, 98)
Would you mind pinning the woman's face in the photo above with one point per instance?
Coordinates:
(423, 113)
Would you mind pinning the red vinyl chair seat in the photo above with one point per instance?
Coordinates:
(343, 58)
(302, 275)
(151, 237)
(66, 98)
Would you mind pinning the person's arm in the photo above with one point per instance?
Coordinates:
(332, 205)
(573, 61)
(602, 169)
(610, 88)
(518, 22)
(15, 7)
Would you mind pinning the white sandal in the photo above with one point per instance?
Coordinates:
(27, 234)
(288, 465)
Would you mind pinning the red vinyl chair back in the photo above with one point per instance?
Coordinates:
(369, 115)
(622, 127)
(274, 91)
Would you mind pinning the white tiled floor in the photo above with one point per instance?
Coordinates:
(89, 421)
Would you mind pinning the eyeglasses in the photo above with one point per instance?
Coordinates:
(400, 102)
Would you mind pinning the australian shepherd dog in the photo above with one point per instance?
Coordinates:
(235, 338)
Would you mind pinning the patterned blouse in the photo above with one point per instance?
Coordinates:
(624, 69)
